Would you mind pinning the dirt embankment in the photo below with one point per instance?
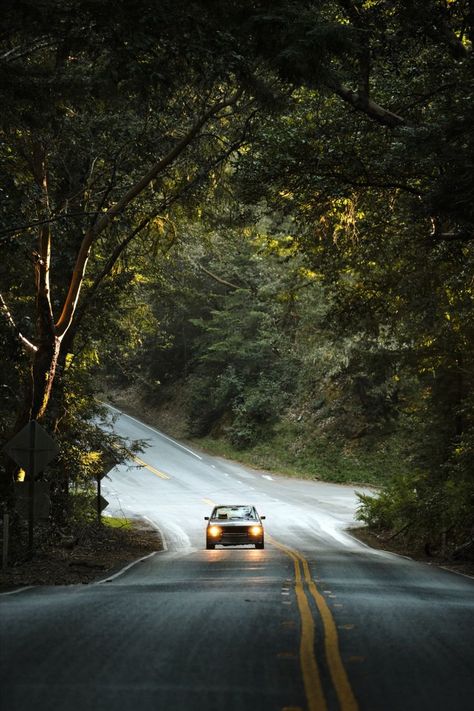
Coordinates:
(89, 553)
(387, 543)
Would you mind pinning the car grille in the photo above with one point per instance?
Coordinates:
(235, 533)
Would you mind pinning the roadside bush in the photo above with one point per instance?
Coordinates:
(421, 511)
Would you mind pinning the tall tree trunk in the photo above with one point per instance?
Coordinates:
(43, 369)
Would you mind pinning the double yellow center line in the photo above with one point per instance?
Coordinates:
(162, 475)
(309, 666)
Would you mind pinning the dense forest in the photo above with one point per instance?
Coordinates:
(259, 216)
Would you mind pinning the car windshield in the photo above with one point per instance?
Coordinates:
(226, 513)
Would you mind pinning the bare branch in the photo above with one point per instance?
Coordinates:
(23, 228)
(165, 205)
(115, 210)
(363, 103)
(219, 279)
(422, 98)
(24, 51)
(28, 345)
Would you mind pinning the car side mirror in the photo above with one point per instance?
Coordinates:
(263, 517)
(206, 518)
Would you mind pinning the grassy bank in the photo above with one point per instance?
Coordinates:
(292, 452)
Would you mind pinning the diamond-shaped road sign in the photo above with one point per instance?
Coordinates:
(109, 461)
(32, 448)
(102, 503)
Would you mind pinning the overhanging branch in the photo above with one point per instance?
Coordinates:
(120, 206)
(28, 345)
(360, 101)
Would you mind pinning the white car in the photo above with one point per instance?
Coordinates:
(236, 525)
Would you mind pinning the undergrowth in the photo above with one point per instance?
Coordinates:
(293, 452)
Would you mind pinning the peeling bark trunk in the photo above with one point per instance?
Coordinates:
(43, 373)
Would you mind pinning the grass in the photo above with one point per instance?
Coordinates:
(292, 452)
(117, 522)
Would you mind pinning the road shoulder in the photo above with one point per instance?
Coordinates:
(379, 542)
(96, 553)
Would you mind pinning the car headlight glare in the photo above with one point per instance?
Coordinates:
(256, 530)
(214, 531)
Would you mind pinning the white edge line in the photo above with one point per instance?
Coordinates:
(152, 429)
(130, 565)
(127, 567)
(406, 557)
(18, 590)
(456, 572)
(116, 575)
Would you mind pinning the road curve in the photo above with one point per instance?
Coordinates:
(314, 621)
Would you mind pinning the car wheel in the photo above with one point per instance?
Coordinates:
(210, 546)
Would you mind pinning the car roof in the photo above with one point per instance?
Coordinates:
(234, 506)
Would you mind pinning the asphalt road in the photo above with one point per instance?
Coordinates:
(315, 621)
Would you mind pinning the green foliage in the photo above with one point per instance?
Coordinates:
(385, 220)
(300, 450)
(242, 370)
(420, 510)
(318, 300)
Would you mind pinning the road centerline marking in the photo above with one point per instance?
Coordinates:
(345, 695)
(309, 666)
(331, 643)
(162, 475)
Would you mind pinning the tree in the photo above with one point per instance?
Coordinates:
(355, 123)
(104, 133)
(384, 214)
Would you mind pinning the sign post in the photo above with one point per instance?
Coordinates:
(109, 461)
(31, 485)
(6, 531)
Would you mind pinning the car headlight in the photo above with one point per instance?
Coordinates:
(214, 531)
(256, 530)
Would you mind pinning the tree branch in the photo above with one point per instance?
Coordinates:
(29, 346)
(165, 205)
(22, 228)
(10, 56)
(220, 280)
(105, 220)
(43, 259)
(160, 165)
(361, 102)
